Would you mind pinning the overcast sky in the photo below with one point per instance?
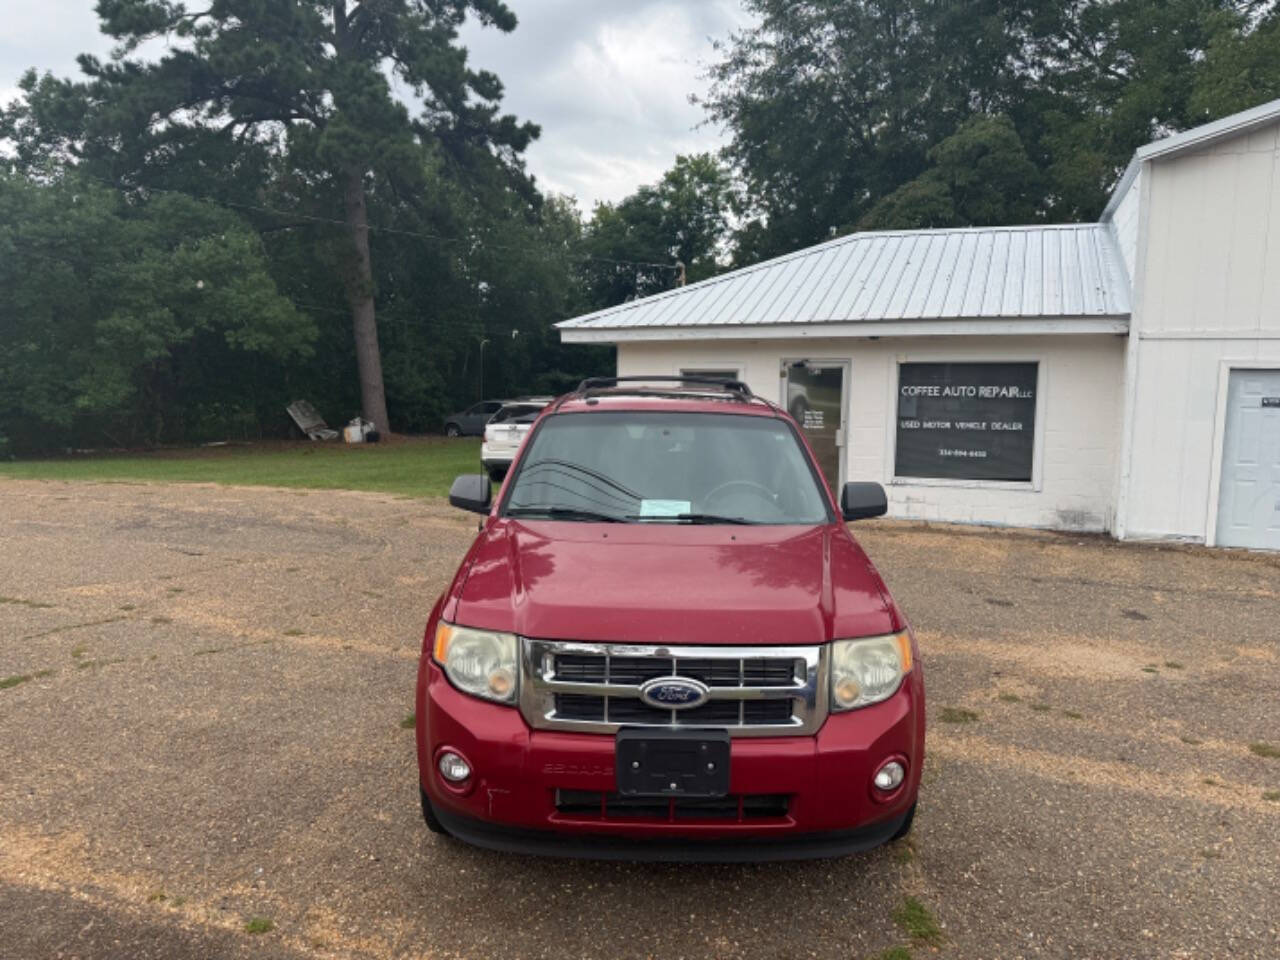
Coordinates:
(608, 80)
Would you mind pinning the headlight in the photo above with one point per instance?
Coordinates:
(869, 670)
(479, 662)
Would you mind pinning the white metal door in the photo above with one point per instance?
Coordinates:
(1249, 496)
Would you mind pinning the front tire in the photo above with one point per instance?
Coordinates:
(452, 430)
(429, 814)
(497, 474)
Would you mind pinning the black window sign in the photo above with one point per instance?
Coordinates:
(966, 421)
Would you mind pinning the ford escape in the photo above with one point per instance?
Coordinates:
(664, 643)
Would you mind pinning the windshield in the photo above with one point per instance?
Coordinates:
(645, 467)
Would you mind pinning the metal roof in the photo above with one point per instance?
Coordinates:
(1067, 271)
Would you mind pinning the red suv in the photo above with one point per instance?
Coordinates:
(665, 644)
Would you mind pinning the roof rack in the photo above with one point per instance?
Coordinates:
(736, 387)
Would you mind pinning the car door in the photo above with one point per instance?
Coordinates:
(477, 415)
(472, 418)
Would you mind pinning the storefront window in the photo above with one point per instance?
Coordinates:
(966, 421)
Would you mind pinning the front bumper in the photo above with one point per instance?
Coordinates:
(510, 800)
(588, 845)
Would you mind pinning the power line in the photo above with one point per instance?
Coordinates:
(421, 235)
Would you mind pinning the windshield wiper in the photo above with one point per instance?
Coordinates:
(694, 518)
(565, 513)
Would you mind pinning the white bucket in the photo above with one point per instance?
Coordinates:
(353, 433)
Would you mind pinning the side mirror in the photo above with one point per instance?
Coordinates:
(861, 500)
(471, 491)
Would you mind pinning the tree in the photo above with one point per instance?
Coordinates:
(120, 320)
(1102, 79)
(979, 175)
(297, 92)
(833, 104)
(639, 243)
(1242, 64)
(837, 109)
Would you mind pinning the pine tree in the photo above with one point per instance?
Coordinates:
(302, 88)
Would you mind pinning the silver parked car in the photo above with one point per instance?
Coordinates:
(470, 422)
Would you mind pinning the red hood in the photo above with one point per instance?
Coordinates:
(686, 584)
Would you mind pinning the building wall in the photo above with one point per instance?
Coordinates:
(1208, 297)
(1081, 382)
(1125, 223)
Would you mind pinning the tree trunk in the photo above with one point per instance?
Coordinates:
(359, 285)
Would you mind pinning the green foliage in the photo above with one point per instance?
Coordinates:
(979, 175)
(1242, 66)
(301, 80)
(833, 105)
(266, 111)
(917, 921)
(177, 257)
(682, 218)
(412, 468)
(858, 113)
(118, 317)
(289, 106)
(959, 715)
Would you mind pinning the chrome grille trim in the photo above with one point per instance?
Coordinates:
(539, 686)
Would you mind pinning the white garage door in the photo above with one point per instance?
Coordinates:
(1249, 502)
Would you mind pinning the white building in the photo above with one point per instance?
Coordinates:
(1119, 376)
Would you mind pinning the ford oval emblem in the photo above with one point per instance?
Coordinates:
(674, 693)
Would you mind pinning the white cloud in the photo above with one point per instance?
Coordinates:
(47, 36)
(609, 82)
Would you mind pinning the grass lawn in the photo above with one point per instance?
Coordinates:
(418, 467)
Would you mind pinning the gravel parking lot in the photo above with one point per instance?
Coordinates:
(203, 703)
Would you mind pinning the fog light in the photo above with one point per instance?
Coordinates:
(453, 768)
(889, 777)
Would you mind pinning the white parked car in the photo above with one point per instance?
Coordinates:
(506, 430)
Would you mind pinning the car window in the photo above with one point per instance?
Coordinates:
(474, 409)
(492, 406)
(518, 412)
(665, 467)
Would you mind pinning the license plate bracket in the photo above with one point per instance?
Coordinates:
(672, 763)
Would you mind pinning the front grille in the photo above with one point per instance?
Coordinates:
(572, 706)
(714, 672)
(752, 691)
(595, 805)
